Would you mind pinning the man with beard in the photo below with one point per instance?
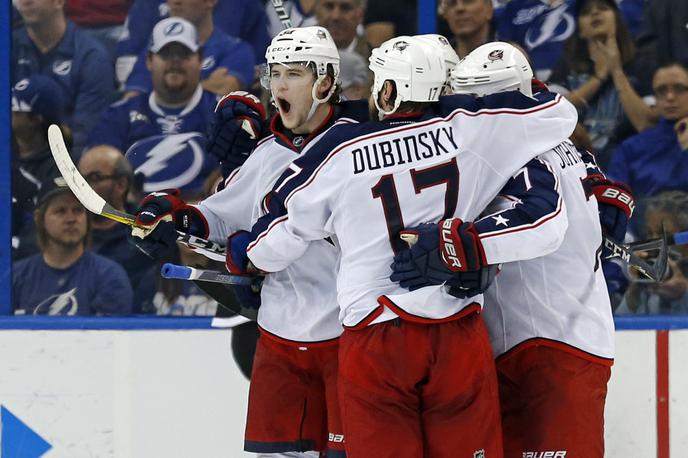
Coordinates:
(65, 278)
(177, 104)
(110, 175)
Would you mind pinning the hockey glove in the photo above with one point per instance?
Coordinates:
(615, 202)
(440, 251)
(237, 126)
(236, 260)
(472, 283)
(159, 217)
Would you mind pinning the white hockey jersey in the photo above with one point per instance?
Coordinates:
(299, 303)
(559, 299)
(364, 183)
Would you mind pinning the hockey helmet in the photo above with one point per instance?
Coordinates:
(491, 68)
(417, 70)
(441, 45)
(310, 45)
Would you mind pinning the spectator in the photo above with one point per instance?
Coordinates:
(663, 36)
(237, 18)
(597, 74)
(102, 19)
(177, 103)
(668, 210)
(285, 14)
(37, 102)
(342, 18)
(49, 44)
(65, 278)
(228, 63)
(470, 22)
(653, 161)
(540, 27)
(110, 175)
(385, 19)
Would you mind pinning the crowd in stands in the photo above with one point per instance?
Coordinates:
(133, 85)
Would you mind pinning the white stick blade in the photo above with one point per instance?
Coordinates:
(79, 186)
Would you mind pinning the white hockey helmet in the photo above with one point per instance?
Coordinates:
(309, 45)
(446, 51)
(491, 68)
(418, 71)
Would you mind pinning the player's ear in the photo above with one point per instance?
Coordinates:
(324, 86)
(388, 92)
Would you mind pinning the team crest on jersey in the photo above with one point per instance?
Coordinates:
(135, 116)
(298, 141)
(208, 62)
(400, 46)
(171, 161)
(497, 54)
(62, 67)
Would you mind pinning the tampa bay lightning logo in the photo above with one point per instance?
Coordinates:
(208, 62)
(62, 67)
(173, 29)
(171, 161)
(21, 85)
(553, 26)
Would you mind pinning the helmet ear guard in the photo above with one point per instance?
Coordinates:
(492, 68)
(416, 70)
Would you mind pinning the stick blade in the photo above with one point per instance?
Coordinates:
(79, 186)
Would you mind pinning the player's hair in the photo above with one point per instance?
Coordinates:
(39, 219)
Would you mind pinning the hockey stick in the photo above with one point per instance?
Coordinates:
(655, 272)
(96, 204)
(217, 285)
(176, 272)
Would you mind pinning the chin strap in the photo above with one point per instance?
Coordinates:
(316, 100)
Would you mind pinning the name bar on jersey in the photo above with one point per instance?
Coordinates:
(408, 149)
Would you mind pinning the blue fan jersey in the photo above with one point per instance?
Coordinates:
(539, 28)
(220, 51)
(93, 285)
(238, 18)
(139, 117)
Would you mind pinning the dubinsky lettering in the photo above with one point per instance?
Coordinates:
(404, 150)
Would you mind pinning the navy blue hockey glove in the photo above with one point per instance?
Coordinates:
(236, 260)
(438, 253)
(615, 202)
(472, 283)
(237, 126)
(159, 217)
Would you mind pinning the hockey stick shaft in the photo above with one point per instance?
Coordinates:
(177, 272)
(96, 204)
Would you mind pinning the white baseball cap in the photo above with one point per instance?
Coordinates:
(173, 30)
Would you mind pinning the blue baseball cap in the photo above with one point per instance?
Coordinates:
(41, 95)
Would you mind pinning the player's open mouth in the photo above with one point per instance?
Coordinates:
(283, 105)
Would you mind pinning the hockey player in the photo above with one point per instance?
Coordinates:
(292, 400)
(549, 318)
(416, 376)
